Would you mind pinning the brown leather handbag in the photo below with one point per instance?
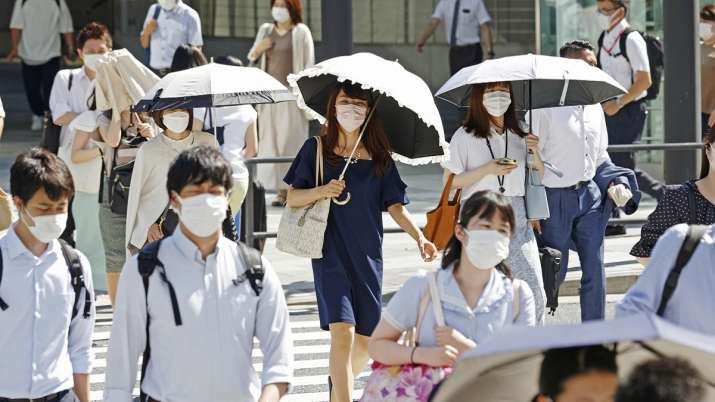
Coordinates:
(441, 220)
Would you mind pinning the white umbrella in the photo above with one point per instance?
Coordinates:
(554, 81)
(214, 85)
(506, 367)
(121, 81)
(406, 107)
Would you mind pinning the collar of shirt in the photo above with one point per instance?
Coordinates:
(493, 295)
(610, 38)
(15, 247)
(188, 248)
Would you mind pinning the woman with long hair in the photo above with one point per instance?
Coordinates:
(692, 202)
(283, 46)
(478, 292)
(489, 153)
(348, 279)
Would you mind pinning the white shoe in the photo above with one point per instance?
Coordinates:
(37, 122)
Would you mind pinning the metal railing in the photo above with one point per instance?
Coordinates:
(251, 165)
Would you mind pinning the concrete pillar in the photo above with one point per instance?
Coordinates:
(682, 86)
(337, 28)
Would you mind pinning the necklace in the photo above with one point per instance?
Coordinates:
(355, 158)
(500, 179)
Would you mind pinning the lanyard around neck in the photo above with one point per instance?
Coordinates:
(615, 42)
(500, 179)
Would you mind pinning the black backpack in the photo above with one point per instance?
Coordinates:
(148, 261)
(656, 57)
(77, 277)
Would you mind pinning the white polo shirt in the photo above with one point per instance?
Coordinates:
(41, 22)
(64, 100)
(613, 62)
(174, 28)
(472, 14)
(574, 139)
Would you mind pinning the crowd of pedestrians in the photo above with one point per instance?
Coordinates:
(190, 298)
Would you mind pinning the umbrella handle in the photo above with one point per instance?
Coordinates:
(343, 202)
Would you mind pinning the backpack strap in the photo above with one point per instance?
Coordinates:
(622, 43)
(157, 11)
(3, 305)
(77, 277)
(690, 244)
(254, 267)
(600, 45)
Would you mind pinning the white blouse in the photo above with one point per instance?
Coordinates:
(467, 152)
(86, 175)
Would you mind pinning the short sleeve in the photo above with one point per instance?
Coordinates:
(403, 308)
(637, 52)
(393, 189)
(85, 121)
(59, 95)
(482, 13)
(149, 15)
(457, 162)
(439, 11)
(17, 21)
(65, 18)
(301, 173)
(527, 306)
(194, 30)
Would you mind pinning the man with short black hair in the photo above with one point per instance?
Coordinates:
(203, 308)
(666, 379)
(35, 29)
(46, 294)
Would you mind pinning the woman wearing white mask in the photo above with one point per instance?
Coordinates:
(148, 199)
(489, 153)
(478, 294)
(282, 47)
(348, 279)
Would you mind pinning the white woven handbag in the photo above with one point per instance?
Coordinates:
(301, 231)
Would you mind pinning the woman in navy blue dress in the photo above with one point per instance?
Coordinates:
(348, 279)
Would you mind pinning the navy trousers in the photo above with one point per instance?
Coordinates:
(577, 222)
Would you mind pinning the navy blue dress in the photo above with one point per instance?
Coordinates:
(348, 279)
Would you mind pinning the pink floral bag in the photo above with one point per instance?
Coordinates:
(409, 382)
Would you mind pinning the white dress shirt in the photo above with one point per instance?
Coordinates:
(472, 14)
(174, 28)
(613, 62)
(572, 138)
(467, 152)
(208, 357)
(41, 22)
(75, 100)
(40, 347)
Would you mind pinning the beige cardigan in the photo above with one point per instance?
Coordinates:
(303, 50)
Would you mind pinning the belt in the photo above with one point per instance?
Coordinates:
(465, 46)
(578, 185)
(49, 398)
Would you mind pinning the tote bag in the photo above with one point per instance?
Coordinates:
(409, 382)
(301, 231)
(441, 220)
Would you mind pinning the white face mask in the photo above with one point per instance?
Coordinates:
(91, 61)
(706, 30)
(168, 5)
(203, 214)
(280, 14)
(486, 248)
(604, 21)
(47, 227)
(497, 102)
(176, 122)
(350, 117)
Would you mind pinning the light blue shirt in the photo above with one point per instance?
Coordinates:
(41, 347)
(208, 358)
(494, 310)
(174, 28)
(692, 305)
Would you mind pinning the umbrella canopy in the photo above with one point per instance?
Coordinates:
(121, 81)
(214, 85)
(406, 107)
(537, 82)
(506, 367)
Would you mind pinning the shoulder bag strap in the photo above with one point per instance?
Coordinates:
(69, 82)
(436, 300)
(516, 304)
(77, 277)
(3, 305)
(319, 162)
(444, 198)
(690, 244)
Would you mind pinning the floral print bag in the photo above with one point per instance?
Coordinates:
(409, 382)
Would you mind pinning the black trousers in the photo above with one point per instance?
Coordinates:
(626, 127)
(38, 84)
(464, 56)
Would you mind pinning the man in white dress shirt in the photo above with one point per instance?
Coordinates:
(466, 25)
(46, 311)
(203, 307)
(574, 140)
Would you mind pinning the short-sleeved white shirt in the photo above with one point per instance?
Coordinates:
(613, 62)
(467, 152)
(41, 22)
(174, 28)
(472, 14)
(64, 99)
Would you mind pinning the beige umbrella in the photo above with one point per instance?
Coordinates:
(121, 81)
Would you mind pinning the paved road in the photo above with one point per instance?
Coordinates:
(311, 348)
